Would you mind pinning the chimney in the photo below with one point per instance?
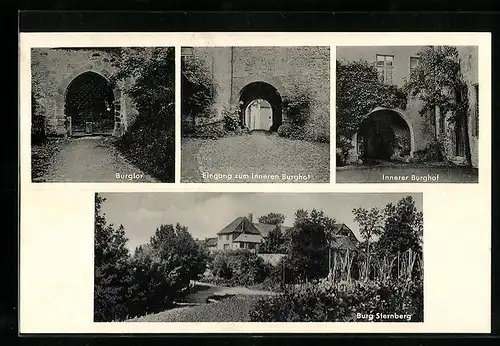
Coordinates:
(250, 217)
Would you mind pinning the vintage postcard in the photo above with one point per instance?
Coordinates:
(255, 182)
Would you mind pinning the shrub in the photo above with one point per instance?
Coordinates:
(162, 269)
(326, 301)
(285, 130)
(344, 146)
(240, 267)
(231, 116)
(150, 142)
(317, 134)
(197, 90)
(433, 152)
(297, 107)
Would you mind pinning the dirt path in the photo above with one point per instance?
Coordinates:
(92, 159)
(235, 308)
(209, 290)
(257, 158)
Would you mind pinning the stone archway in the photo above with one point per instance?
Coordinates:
(262, 94)
(259, 115)
(89, 101)
(385, 134)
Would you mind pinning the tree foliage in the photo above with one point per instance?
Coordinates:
(163, 268)
(151, 279)
(149, 77)
(403, 227)
(111, 268)
(370, 226)
(240, 267)
(38, 98)
(309, 243)
(275, 242)
(359, 91)
(272, 219)
(197, 88)
(438, 82)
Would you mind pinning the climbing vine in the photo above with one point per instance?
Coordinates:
(438, 82)
(359, 91)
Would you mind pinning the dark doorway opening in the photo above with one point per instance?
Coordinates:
(263, 94)
(384, 135)
(90, 104)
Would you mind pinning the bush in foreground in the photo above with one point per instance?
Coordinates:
(326, 301)
(150, 141)
(240, 268)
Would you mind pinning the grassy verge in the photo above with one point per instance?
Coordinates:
(232, 309)
(41, 156)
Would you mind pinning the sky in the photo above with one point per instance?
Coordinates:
(207, 213)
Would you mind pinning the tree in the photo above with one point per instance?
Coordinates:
(111, 268)
(178, 258)
(197, 88)
(438, 82)
(359, 91)
(402, 228)
(370, 225)
(148, 75)
(308, 254)
(38, 97)
(272, 219)
(275, 242)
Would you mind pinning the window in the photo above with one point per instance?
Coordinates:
(414, 62)
(227, 236)
(475, 112)
(226, 246)
(251, 246)
(187, 52)
(385, 66)
(242, 245)
(442, 124)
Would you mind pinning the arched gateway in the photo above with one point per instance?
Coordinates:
(261, 107)
(385, 134)
(90, 103)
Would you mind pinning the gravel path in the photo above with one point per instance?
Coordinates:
(91, 159)
(234, 308)
(257, 158)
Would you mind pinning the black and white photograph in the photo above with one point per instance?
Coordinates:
(255, 114)
(407, 114)
(103, 114)
(258, 257)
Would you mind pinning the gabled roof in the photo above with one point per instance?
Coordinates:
(343, 242)
(211, 242)
(240, 225)
(248, 238)
(265, 228)
(343, 229)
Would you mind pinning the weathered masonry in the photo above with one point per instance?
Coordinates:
(383, 127)
(261, 79)
(76, 92)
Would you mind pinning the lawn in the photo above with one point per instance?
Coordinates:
(41, 155)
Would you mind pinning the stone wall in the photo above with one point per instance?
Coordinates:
(56, 68)
(289, 70)
(469, 67)
(423, 126)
